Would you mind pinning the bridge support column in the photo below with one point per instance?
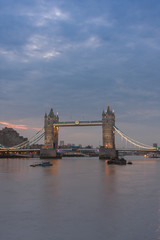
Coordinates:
(108, 151)
(51, 136)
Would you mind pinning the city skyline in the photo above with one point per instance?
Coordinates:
(80, 57)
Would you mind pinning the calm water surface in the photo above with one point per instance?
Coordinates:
(79, 199)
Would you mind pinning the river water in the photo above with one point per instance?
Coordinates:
(79, 199)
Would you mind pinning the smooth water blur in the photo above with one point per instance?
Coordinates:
(78, 199)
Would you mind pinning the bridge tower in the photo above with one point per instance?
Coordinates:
(108, 121)
(51, 132)
(108, 133)
(51, 136)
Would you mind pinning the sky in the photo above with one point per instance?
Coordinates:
(79, 57)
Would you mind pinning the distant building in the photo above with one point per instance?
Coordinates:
(69, 145)
(61, 143)
(36, 146)
(155, 145)
(9, 137)
(89, 146)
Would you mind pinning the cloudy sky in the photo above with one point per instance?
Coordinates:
(78, 57)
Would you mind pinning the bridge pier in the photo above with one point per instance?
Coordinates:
(106, 153)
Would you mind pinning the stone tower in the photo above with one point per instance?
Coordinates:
(108, 151)
(51, 132)
(108, 122)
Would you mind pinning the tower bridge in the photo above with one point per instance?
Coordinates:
(52, 125)
(108, 150)
(51, 130)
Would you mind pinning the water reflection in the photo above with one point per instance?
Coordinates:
(109, 169)
(10, 165)
(79, 199)
(53, 170)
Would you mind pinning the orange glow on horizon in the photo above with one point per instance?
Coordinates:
(37, 129)
(10, 125)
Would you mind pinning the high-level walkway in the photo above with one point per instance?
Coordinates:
(78, 123)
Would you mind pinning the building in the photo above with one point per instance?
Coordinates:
(61, 143)
(36, 146)
(9, 137)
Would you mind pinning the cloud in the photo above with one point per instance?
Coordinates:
(39, 46)
(19, 126)
(43, 47)
(8, 54)
(92, 42)
(135, 92)
(10, 125)
(44, 14)
(80, 54)
(100, 21)
(50, 54)
(145, 114)
(153, 43)
(13, 55)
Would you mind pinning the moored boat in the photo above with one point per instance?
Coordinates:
(43, 164)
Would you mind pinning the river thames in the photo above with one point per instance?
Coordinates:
(80, 199)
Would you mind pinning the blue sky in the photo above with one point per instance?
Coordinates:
(78, 57)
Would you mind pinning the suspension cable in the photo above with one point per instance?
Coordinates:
(145, 145)
(29, 140)
(134, 142)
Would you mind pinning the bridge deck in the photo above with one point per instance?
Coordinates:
(80, 149)
(19, 150)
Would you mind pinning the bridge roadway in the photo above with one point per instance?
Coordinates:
(136, 150)
(80, 149)
(118, 149)
(19, 150)
(36, 152)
